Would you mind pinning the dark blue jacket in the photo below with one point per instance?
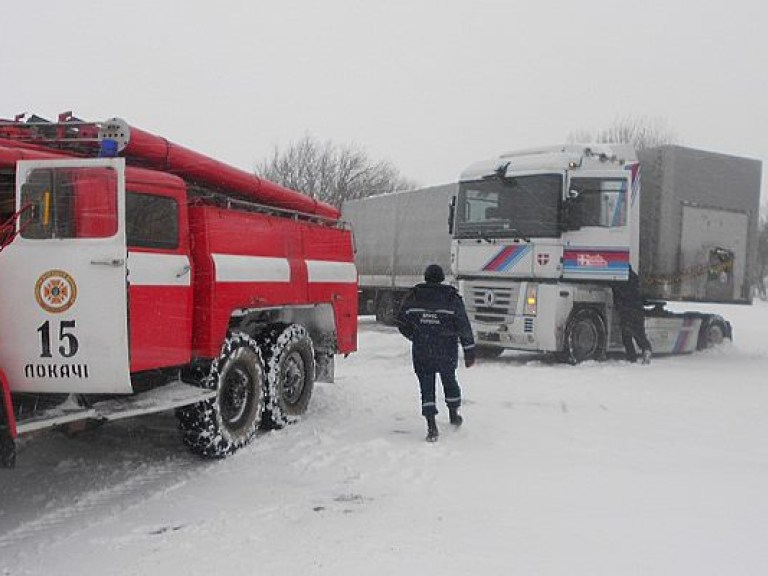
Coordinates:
(626, 295)
(433, 317)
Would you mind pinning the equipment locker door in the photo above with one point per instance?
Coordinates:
(64, 303)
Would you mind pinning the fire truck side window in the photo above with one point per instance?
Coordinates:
(600, 201)
(152, 221)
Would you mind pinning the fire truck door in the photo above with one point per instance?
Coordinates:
(64, 314)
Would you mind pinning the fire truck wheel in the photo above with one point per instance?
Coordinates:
(228, 421)
(585, 336)
(713, 332)
(290, 362)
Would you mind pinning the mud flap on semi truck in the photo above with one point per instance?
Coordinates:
(7, 426)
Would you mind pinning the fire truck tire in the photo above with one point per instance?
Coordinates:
(585, 337)
(219, 426)
(290, 361)
(713, 332)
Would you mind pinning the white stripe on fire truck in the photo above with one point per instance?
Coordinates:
(152, 269)
(325, 271)
(237, 268)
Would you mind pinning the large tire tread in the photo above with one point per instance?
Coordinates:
(585, 337)
(290, 365)
(713, 332)
(204, 426)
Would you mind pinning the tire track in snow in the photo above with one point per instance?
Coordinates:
(98, 505)
(69, 483)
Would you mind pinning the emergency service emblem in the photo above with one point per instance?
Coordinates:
(542, 259)
(55, 291)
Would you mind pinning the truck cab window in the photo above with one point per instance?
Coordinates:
(600, 201)
(69, 203)
(152, 221)
(524, 206)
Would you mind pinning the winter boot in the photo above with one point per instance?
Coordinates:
(432, 431)
(646, 356)
(455, 417)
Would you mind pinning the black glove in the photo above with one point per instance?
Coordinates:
(469, 357)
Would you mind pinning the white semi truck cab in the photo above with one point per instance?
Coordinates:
(539, 236)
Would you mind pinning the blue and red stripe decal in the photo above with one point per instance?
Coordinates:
(618, 211)
(634, 170)
(683, 336)
(506, 258)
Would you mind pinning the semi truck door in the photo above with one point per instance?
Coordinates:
(64, 304)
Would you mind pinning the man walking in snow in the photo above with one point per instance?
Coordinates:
(433, 318)
(629, 305)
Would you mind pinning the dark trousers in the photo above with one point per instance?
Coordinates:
(632, 324)
(427, 371)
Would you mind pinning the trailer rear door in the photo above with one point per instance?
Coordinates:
(713, 254)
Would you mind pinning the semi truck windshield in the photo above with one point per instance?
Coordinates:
(520, 207)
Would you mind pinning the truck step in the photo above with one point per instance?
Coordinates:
(58, 416)
(172, 395)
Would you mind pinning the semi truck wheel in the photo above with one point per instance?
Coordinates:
(713, 332)
(585, 336)
(221, 425)
(290, 362)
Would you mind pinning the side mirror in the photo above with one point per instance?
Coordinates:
(451, 215)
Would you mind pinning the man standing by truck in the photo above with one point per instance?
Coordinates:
(629, 304)
(433, 318)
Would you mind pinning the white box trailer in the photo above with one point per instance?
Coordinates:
(396, 237)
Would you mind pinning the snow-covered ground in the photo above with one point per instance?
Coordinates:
(599, 469)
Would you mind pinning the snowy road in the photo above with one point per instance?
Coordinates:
(605, 468)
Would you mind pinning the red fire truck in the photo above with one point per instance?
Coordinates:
(140, 276)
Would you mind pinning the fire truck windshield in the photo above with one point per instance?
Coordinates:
(519, 207)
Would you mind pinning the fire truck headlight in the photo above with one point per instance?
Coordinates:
(531, 299)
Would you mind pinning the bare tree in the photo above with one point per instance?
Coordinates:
(331, 173)
(642, 132)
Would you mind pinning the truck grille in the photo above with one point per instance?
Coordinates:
(492, 303)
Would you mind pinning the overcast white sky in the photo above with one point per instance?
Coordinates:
(429, 85)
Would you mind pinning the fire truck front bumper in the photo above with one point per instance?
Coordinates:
(519, 333)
